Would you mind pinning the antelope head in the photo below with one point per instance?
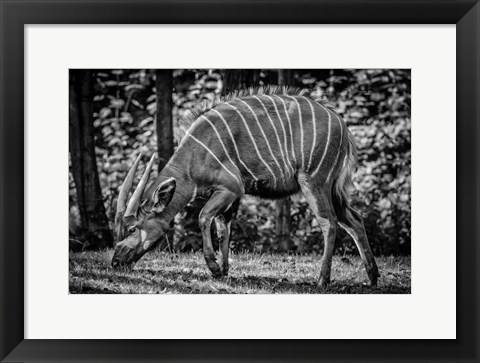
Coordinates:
(138, 223)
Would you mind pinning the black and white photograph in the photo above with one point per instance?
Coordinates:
(239, 181)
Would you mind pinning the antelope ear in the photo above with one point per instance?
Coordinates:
(163, 195)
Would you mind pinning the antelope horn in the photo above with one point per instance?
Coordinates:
(126, 186)
(123, 194)
(137, 194)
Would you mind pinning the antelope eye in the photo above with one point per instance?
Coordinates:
(132, 229)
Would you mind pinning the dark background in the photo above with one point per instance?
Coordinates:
(115, 114)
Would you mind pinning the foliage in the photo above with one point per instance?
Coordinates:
(374, 103)
(376, 106)
(164, 273)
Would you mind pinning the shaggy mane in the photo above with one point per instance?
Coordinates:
(186, 121)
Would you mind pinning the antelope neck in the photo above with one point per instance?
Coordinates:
(184, 190)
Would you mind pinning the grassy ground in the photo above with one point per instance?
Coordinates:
(163, 273)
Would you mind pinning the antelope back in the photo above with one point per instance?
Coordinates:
(258, 142)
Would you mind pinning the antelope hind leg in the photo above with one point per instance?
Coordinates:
(220, 201)
(321, 205)
(329, 231)
(355, 228)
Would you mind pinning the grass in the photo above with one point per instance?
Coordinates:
(164, 273)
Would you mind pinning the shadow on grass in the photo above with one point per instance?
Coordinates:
(150, 281)
(86, 289)
(114, 283)
(276, 285)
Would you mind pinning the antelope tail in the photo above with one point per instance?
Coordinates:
(343, 185)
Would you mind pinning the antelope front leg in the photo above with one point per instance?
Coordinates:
(353, 225)
(223, 232)
(220, 201)
(224, 223)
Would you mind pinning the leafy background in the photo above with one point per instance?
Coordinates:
(375, 103)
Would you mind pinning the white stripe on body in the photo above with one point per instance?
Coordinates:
(326, 145)
(182, 142)
(221, 142)
(195, 189)
(211, 153)
(235, 145)
(314, 132)
(253, 140)
(264, 136)
(300, 120)
(339, 148)
(290, 127)
(284, 132)
(276, 134)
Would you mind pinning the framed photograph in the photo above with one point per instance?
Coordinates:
(273, 181)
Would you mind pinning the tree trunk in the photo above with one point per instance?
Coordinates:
(164, 87)
(283, 223)
(285, 77)
(235, 79)
(164, 125)
(94, 229)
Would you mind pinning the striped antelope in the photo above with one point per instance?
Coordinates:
(270, 143)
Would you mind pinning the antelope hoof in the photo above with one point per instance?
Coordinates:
(373, 276)
(213, 267)
(218, 274)
(225, 270)
(323, 282)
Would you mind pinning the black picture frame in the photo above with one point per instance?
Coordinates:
(15, 14)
